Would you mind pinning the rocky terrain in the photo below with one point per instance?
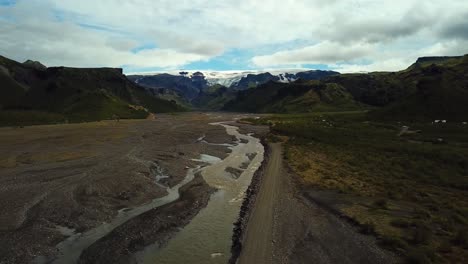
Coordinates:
(57, 180)
(154, 226)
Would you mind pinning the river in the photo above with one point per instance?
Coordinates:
(207, 238)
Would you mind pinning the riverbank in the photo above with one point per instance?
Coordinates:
(208, 236)
(154, 226)
(240, 226)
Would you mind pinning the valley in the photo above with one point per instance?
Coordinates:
(99, 167)
(233, 132)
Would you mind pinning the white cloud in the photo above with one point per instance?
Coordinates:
(395, 64)
(323, 53)
(197, 30)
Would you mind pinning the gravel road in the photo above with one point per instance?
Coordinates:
(287, 227)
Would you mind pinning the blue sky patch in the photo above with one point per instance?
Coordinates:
(7, 2)
(146, 46)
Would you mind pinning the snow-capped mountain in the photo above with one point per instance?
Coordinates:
(193, 85)
(232, 78)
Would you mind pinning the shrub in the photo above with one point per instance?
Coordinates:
(400, 223)
(445, 247)
(461, 238)
(422, 234)
(381, 203)
(393, 243)
(303, 166)
(368, 228)
(417, 256)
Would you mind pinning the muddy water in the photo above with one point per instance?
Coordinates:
(207, 238)
(71, 248)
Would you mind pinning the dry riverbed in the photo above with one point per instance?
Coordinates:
(60, 180)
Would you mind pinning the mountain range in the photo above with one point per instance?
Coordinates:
(431, 88)
(196, 87)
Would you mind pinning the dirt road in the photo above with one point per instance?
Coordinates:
(259, 234)
(287, 227)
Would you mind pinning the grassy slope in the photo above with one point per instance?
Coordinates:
(31, 117)
(31, 96)
(155, 104)
(304, 96)
(441, 92)
(432, 88)
(412, 193)
(100, 106)
(213, 98)
(11, 91)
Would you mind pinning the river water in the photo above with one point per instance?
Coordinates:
(207, 238)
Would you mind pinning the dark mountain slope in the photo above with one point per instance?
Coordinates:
(297, 97)
(253, 80)
(195, 91)
(432, 88)
(376, 89)
(443, 61)
(441, 92)
(187, 87)
(76, 94)
(213, 97)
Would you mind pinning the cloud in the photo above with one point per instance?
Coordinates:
(323, 53)
(456, 28)
(67, 43)
(288, 32)
(395, 64)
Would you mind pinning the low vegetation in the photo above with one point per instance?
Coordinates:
(298, 97)
(33, 94)
(24, 118)
(432, 88)
(409, 190)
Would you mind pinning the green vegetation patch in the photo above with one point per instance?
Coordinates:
(26, 118)
(410, 190)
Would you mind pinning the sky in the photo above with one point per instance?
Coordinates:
(163, 35)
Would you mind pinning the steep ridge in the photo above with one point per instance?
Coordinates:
(298, 97)
(438, 91)
(31, 91)
(432, 88)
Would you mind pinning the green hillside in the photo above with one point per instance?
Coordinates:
(213, 97)
(432, 88)
(297, 97)
(439, 91)
(32, 94)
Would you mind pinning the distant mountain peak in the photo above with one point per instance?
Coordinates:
(436, 58)
(35, 65)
